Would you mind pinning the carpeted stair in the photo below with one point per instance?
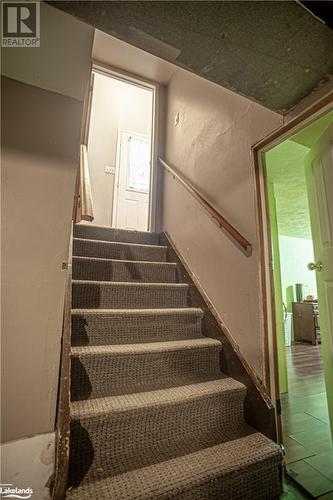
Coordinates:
(152, 414)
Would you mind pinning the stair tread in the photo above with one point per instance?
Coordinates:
(130, 284)
(145, 262)
(139, 312)
(118, 230)
(176, 477)
(149, 347)
(103, 233)
(160, 397)
(120, 243)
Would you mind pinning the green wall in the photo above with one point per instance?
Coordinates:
(283, 378)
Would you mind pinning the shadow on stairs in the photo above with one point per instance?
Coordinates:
(152, 414)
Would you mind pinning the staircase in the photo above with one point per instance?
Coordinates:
(152, 415)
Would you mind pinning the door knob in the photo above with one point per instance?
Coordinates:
(312, 266)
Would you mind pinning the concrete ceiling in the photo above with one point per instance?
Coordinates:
(273, 52)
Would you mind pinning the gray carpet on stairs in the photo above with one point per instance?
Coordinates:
(116, 250)
(122, 295)
(126, 326)
(152, 414)
(89, 268)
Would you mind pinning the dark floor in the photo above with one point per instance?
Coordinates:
(306, 431)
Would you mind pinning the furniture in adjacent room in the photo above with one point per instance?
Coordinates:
(306, 322)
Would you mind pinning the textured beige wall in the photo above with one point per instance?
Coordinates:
(39, 156)
(115, 105)
(40, 145)
(211, 146)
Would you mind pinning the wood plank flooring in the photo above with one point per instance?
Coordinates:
(306, 432)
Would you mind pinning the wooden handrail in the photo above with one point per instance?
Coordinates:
(85, 197)
(218, 218)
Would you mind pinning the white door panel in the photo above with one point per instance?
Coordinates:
(319, 175)
(131, 214)
(131, 204)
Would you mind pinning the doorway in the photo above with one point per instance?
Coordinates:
(298, 177)
(120, 148)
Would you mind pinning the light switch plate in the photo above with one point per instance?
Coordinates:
(109, 169)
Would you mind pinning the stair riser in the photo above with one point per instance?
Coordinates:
(110, 234)
(95, 376)
(261, 481)
(88, 248)
(109, 296)
(103, 270)
(88, 329)
(130, 439)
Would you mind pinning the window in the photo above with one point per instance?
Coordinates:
(138, 164)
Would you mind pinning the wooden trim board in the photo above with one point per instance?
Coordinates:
(59, 486)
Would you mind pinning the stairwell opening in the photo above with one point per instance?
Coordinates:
(120, 140)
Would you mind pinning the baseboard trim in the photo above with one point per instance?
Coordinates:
(258, 408)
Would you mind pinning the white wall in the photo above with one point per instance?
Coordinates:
(295, 254)
(115, 105)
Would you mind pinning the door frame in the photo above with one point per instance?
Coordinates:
(124, 76)
(267, 296)
(117, 173)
